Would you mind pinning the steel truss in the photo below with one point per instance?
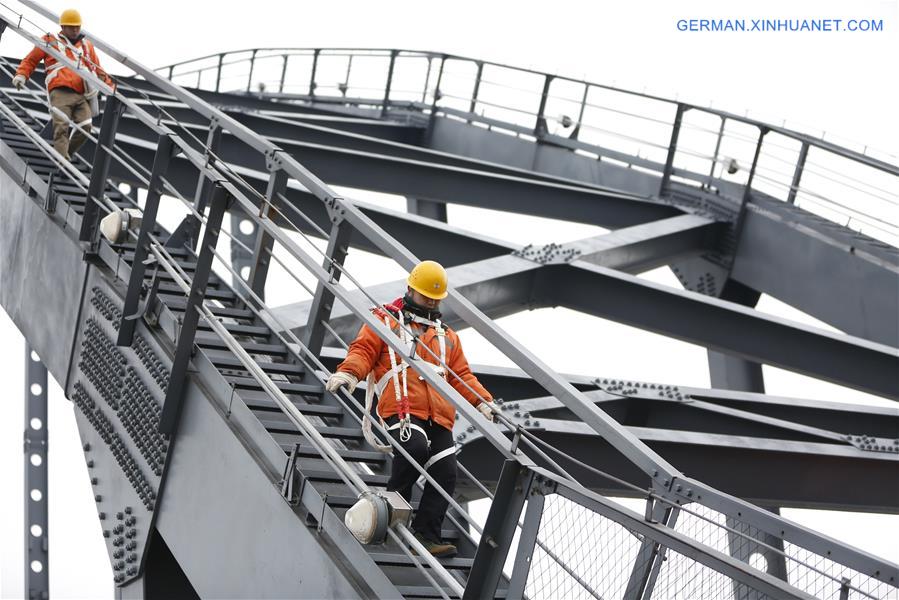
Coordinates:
(650, 232)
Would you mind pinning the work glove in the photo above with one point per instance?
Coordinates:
(486, 410)
(19, 81)
(341, 379)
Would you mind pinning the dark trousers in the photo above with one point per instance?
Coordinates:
(432, 508)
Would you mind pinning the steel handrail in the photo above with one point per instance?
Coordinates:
(630, 447)
(796, 135)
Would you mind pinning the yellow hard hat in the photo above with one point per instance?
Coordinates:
(70, 16)
(429, 279)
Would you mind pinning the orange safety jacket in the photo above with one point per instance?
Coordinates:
(59, 75)
(369, 353)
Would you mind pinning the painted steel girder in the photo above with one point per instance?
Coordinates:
(520, 193)
(866, 307)
(727, 327)
(508, 284)
(419, 234)
(714, 324)
(768, 472)
(832, 274)
(813, 459)
(499, 286)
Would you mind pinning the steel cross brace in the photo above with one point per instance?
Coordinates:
(164, 152)
(512, 490)
(100, 171)
(648, 561)
(277, 183)
(323, 302)
(185, 346)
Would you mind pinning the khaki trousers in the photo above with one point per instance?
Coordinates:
(75, 107)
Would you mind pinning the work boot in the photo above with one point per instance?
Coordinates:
(437, 549)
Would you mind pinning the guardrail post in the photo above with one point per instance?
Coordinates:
(797, 173)
(649, 559)
(512, 490)
(315, 54)
(755, 162)
(424, 91)
(437, 95)
(580, 116)
(262, 252)
(164, 151)
(283, 75)
(252, 66)
(185, 345)
(717, 149)
(338, 245)
(100, 171)
(477, 89)
(393, 54)
(37, 550)
(747, 194)
(540, 128)
(672, 148)
(205, 187)
(218, 73)
(527, 542)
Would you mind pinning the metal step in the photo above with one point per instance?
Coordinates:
(332, 477)
(238, 329)
(215, 343)
(288, 387)
(266, 408)
(412, 592)
(231, 362)
(367, 456)
(285, 427)
(180, 304)
(170, 289)
(401, 560)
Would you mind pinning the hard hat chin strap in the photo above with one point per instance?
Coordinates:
(419, 310)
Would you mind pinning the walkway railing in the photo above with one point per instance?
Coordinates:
(319, 272)
(680, 142)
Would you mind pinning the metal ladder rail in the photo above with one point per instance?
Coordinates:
(121, 200)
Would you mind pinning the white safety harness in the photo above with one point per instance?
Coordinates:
(398, 370)
(76, 53)
(73, 51)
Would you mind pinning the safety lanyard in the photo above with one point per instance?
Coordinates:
(398, 369)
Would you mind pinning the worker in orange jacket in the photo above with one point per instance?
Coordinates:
(64, 86)
(414, 413)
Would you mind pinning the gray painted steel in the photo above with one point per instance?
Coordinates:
(218, 421)
(39, 267)
(36, 469)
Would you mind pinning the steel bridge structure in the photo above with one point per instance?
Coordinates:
(221, 466)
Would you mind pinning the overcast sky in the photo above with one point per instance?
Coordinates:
(840, 83)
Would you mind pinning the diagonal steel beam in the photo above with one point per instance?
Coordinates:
(727, 327)
(508, 284)
(469, 182)
(718, 325)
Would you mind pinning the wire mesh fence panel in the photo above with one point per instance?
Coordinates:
(829, 580)
(682, 578)
(804, 569)
(580, 554)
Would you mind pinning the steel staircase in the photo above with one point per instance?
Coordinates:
(143, 426)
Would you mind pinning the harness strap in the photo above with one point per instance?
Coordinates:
(418, 428)
(385, 378)
(440, 455)
(366, 418)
